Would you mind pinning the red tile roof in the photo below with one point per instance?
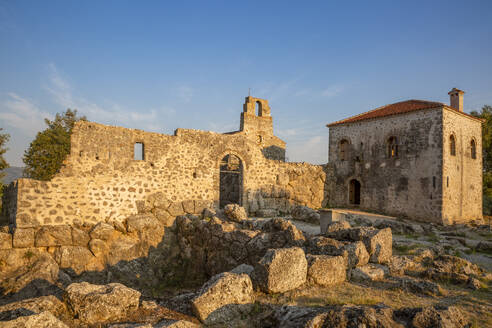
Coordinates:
(393, 109)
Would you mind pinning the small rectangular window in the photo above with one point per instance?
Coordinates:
(447, 181)
(138, 151)
(434, 182)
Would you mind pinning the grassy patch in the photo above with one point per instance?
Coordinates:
(432, 237)
(28, 255)
(406, 249)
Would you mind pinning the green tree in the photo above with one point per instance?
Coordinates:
(49, 149)
(486, 114)
(4, 137)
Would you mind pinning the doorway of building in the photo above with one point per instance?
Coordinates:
(231, 180)
(354, 192)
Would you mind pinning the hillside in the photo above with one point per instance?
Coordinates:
(12, 173)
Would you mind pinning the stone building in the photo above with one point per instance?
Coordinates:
(419, 159)
(111, 171)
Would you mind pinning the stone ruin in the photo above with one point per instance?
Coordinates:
(111, 170)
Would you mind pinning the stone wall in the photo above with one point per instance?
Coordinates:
(408, 184)
(462, 174)
(101, 179)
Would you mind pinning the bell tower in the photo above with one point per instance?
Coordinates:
(256, 118)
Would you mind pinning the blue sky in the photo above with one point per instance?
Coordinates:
(160, 65)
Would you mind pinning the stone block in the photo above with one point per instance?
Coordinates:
(281, 270)
(53, 236)
(379, 245)
(164, 217)
(5, 240)
(97, 304)
(98, 247)
(102, 231)
(189, 206)
(200, 205)
(78, 258)
(218, 298)
(235, 212)
(35, 320)
(176, 209)
(24, 237)
(80, 237)
(326, 270)
(357, 254)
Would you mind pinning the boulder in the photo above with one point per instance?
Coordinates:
(41, 320)
(281, 270)
(23, 237)
(102, 231)
(379, 316)
(371, 272)
(219, 298)
(5, 240)
(417, 286)
(176, 209)
(325, 246)
(430, 317)
(337, 226)
(29, 306)
(40, 274)
(95, 304)
(304, 213)
(60, 235)
(235, 212)
(379, 245)
(356, 254)
(326, 270)
(189, 206)
(283, 233)
(484, 246)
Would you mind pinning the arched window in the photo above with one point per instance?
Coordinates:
(473, 146)
(392, 147)
(343, 149)
(258, 109)
(452, 145)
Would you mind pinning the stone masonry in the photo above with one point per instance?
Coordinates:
(104, 179)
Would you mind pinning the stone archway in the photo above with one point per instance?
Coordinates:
(354, 192)
(231, 180)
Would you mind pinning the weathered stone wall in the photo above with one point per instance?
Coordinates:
(408, 184)
(462, 174)
(101, 180)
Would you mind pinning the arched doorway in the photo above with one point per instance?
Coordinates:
(354, 192)
(231, 180)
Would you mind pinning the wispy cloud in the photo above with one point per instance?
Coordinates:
(21, 114)
(112, 113)
(332, 91)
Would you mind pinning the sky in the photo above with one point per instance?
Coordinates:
(162, 65)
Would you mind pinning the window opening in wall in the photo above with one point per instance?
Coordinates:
(447, 181)
(354, 192)
(138, 151)
(473, 146)
(97, 156)
(392, 147)
(452, 145)
(231, 180)
(343, 150)
(81, 153)
(258, 108)
(434, 182)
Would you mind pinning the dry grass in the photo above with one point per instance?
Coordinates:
(476, 305)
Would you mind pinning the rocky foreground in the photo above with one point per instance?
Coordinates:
(223, 269)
